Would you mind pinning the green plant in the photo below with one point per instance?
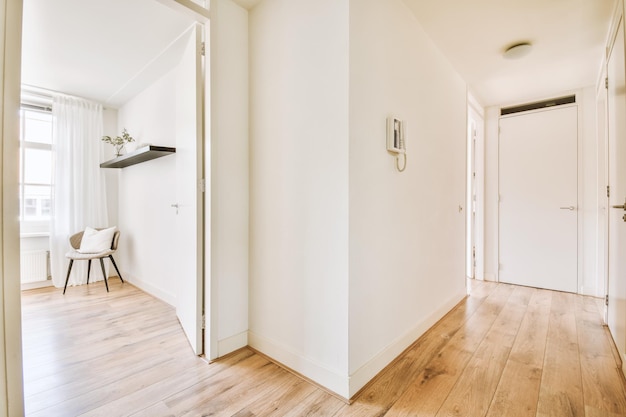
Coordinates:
(119, 141)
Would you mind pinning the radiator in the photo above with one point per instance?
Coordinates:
(35, 266)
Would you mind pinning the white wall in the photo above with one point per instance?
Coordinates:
(407, 247)
(229, 168)
(299, 186)
(350, 260)
(147, 191)
(588, 281)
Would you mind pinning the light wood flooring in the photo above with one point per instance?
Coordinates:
(504, 351)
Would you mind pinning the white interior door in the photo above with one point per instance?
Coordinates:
(617, 183)
(538, 231)
(189, 204)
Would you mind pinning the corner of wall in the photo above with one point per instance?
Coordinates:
(299, 187)
(378, 363)
(407, 229)
(330, 379)
(232, 343)
(228, 210)
(150, 288)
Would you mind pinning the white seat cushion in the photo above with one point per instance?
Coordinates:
(96, 241)
(77, 256)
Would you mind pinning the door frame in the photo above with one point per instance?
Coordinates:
(618, 15)
(11, 380)
(470, 203)
(602, 251)
(476, 150)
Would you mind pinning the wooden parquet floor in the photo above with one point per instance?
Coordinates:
(504, 351)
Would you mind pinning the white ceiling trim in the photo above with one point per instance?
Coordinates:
(193, 10)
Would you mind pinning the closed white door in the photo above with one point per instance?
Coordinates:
(538, 214)
(617, 184)
(189, 207)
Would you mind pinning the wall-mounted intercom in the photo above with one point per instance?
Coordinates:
(395, 140)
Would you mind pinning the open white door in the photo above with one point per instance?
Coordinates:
(189, 204)
(617, 184)
(538, 199)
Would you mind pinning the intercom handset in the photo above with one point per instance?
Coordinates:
(395, 140)
(395, 135)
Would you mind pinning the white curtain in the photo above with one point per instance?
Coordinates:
(79, 193)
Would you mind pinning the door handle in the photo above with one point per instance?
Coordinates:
(571, 208)
(623, 206)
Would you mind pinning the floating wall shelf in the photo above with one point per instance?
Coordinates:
(143, 154)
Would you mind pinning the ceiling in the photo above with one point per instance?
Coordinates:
(107, 51)
(568, 38)
(110, 50)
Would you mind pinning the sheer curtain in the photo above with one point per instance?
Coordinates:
(78, 195)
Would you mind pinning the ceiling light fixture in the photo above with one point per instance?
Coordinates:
(518, 50)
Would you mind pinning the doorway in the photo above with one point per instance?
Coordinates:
(155, 72)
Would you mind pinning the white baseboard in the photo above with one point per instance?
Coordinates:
(591, 291)
(347, 386)
(37, 284)
(231, 344)
(330, 379)
(490, 277)
(369, 370)
(151, 289)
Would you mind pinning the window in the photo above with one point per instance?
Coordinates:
(35, 170)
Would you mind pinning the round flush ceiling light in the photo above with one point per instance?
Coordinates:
(518, 50)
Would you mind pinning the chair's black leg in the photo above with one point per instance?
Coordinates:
(69, 269)
(104, 274)
(88, 270)
(115, 265)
